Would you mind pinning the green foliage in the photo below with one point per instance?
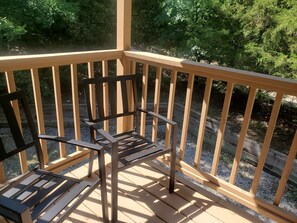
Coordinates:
(257, 35)
(9, 34)
(39, 23)
(29, 26)
(269, 30)
(95, 24)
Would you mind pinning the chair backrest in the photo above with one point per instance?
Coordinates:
(105, 91)
(18, 132)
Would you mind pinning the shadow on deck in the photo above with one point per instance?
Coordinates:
(143, 197)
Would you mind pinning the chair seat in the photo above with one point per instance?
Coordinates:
(133, 147)
(46, 194)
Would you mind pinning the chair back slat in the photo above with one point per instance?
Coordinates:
(99, 91)
(112, 97)
(114, 84)
(13, 124)
(2, 149)
(13, 141)
(124, 96)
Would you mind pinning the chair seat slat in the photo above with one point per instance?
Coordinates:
(49, 185)
(59, 206)
(42, 206)
(30, 191)
(16, 187)
(143, 153)
(138, 149)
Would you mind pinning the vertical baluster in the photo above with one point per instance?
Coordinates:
(286, 171)
(203, 119)
(59, 108)
(2, 173)
(221, 131)
(105, 92)
(39, 110)
(156, 102)
(170, 106)
(92, 89)
(187, 113)
(144, 98)
(131, 104)
(11, 88)
(243, 132)
(75, 103)
(91, 74)
(267, 140)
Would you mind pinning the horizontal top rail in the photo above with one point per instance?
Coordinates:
(267, 82)
(23, 62)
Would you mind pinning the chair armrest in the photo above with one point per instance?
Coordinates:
(88, 122)
(170, 122)
(105, 134)
(71, 142)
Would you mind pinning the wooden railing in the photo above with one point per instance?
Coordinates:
(32, 63)
(232, 77)
(10, 65)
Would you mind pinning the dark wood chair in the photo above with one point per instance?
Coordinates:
(39, 195)
(126, 148)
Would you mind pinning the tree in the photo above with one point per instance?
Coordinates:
(30, 26)
(270, 32)
(257, 35)
(95, 25)
(208, 33)
(36, 24)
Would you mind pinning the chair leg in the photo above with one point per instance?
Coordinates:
(172, 173)
(114, 197)
(102, 175)
(173, 158)
(114, 183)
(92, 154)
(91, 160)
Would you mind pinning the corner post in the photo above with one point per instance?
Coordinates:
(124, 18)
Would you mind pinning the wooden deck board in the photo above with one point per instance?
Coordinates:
(143, 197)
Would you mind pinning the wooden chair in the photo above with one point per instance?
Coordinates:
(39, 195)
(127, 148)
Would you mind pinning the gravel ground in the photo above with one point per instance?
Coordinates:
(267, 186)
(268, 183)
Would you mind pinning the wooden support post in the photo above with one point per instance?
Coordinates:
(124, 14)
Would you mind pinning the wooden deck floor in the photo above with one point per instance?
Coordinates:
(143, 197)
